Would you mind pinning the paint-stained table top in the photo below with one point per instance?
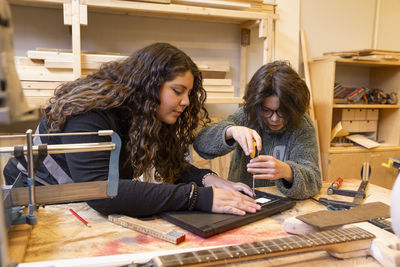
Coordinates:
(59, 235)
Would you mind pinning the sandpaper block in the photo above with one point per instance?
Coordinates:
(327, 218)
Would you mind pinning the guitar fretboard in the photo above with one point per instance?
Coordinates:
(268, 248)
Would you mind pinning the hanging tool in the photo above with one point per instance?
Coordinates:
(254, 154)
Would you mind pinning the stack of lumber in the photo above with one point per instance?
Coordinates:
(45, 69)
(219, 88)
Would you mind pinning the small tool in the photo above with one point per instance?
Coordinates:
(254, 154)
(335, 185)
(334, 189)
(365, 174)
(358, 195)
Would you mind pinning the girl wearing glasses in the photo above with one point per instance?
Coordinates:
(274, 116)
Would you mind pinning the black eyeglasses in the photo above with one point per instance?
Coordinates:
(270, 112)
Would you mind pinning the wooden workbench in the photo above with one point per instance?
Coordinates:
(60, 237)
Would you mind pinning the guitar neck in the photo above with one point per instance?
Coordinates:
(338, 240)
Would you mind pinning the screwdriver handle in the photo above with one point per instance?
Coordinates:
(336, 184)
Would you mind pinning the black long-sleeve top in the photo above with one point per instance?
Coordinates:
(135, 198)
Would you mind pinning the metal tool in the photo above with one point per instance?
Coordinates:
(254, 154)
(17, 196)
(334, 189)
(358, 195)
(365, 174)
(335, 185)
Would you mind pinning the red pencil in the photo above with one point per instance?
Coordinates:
(80, 218)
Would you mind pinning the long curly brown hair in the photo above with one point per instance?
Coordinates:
(276, 79)
(132, 86)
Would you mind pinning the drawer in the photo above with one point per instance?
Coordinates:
(360, 126)
(372, 114)
(357, 114)
(368, 126)
(351, 126)
(360, 114)
(348, 114)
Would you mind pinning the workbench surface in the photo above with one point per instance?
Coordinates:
(61, 236)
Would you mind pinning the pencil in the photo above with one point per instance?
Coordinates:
(80, 218)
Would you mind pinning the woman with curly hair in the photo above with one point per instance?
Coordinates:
(274, 116)
(154, 100)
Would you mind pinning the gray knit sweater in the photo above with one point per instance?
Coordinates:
(297, 148)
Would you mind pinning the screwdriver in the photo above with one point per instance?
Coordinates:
(335, 185)
(254, 154)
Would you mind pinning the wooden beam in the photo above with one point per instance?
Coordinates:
(217, 82)
(61, 193)
(67, 8)
(76, 39)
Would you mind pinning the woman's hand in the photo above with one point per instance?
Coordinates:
(268, 167)
(227, 201)
(218, 182)
(244, 136)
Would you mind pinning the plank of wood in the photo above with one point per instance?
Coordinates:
(153, 1)
(220, 88)
(76, 38)
(40, 85)
(362, 140)
(56, 59)
(224, 100)
(213, 65)
(67, 8)
(214, 3)
(26, 61)
(155, 230)
(61, 193)
(220, 94)
(57, 64)
(39, 92)
(304, 49)
(65, 56)
(33, 73)
(217, 82)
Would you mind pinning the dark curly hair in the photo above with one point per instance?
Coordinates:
(276, 79)
(132, 87)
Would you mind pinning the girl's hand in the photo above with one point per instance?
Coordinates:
(268, 167)
(244, 136)
(233, 202)
(218, 182)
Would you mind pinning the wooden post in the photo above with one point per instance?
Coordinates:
(76, 35)
(304, 50)
(245, 42)
(266, 31)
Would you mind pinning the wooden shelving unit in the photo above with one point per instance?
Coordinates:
(77, 10)
(346, 162)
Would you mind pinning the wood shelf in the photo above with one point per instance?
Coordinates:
(367, 63)
(357, 62)
(158, 9)
(347, 161)
(262, 17)
(359, 149)
(365, 106)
